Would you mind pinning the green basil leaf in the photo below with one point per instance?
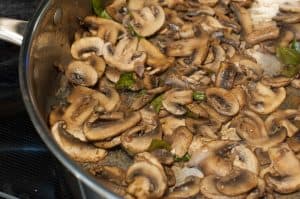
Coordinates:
(157, 103)
(185, 158)
(199, 96)
(290, 71)
(296, 46)
(288, 56)
(99, 9)
(105, 15)
(159, 144)
(126, 81)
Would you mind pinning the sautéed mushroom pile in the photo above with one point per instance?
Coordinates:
(185, 98)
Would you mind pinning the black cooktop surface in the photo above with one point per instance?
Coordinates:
(27, 169)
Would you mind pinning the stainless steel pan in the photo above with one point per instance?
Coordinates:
(47, 40)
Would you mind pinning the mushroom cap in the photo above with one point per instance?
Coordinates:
(77, 150)
(223, 101)
(81, 73)
(103, 130)
(238, 182)
(174, 99)
(87, 46)
(135, 140)
(145, 184)
(125, 56)
(148, 20)
(264, 100)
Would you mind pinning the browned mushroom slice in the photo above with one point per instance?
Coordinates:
(240, 95)
(56, 115)
(219, 57)
(174, 100)
(226, 76)
(244, 17)
(294, 143)
(284, 119)
(164, 156)
(87, 46)
(154, 57)
(117, 10)
(108, 30)
(108, 98)
(288, 180)
(145, 184)
(109, 143)
(276, 82)
(96, 131)
(292, 7)
(245, 159)
(78, 112)
(213, 158)
(148, 20)
(210, 24)
(76, 149)
(204, 127)
(208, 189)
(125, 56)
(296, 83)
(85, 73)
(187, 189)
(197, 110)
(265, 33)
(288, 18)
(170, 123)
(238, 182)
(180, 141)
(251, 127)
(136, 140)
(223, 101)
(265, 100)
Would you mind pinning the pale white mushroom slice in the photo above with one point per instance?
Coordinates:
(148, 20)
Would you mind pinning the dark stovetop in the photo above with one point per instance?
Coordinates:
(27, 168)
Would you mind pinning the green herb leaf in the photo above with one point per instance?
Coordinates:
(185, 158)
(99, 9)
(296, 46)
(290, 71)
(199, 96)
(159, 144)
(157, 103)
(142, 93)
(126, 81)
(288, 56)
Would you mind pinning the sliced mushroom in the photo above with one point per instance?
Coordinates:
(265, 33)
(125, 56)
(145, 184)
(208, 189)
(164, 156)
(154, 57)
(117, 10)
(87, 46)
(226, 76)
(170, 123)
(79, 111)
(76, 149)
(283, 119)
(148, 20)
(85, 73)
(189, 188)
(287, 18)
(294, 143)
(107, 30)
(223, 101)
(245, 159)
(108, 98)
(288, 180)
(174, 100)
(210, 24)
(136, 140)
(197, 110)
(240, 95)
(244, 17)
(295, 83)
(238, 182)
(204, 127)
(276, 82)
(96, 131)
(251, 128)
(180, 141)
(109, 143)
(265, 100)
(213, 158)
(219, 55)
